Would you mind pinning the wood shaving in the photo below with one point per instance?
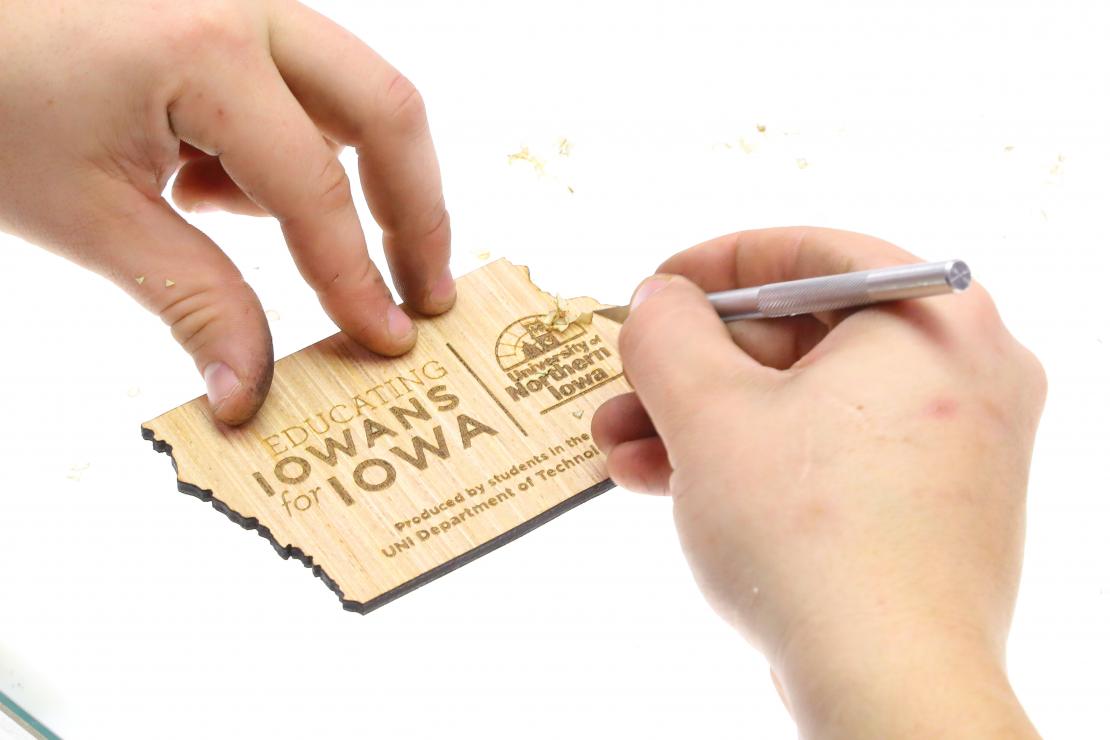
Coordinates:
(802, 163)
(483, 255)
(564, 316)
(170, 283)
(141, 279)
(1058, 166)
(761, 128)
(552, 155)
(748, 149)
(76, 471)
(577, 414)
(526, 156)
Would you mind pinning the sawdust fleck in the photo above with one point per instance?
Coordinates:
(526, 156)
(170, 283)
(747, 147)
(761, 128)
(273, 315)
(564, 147)
(570, 190)
(802, 163)
(564, 316)
(483, 255)
(141, 279)
(1008, 148)
(577, 414)
(77, 470)
(1057, 166)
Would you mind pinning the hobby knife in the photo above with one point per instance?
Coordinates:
(832, 292)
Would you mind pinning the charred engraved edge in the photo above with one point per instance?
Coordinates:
(365, 607)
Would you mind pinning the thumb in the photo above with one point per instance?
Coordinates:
(178, 273)
(679, 355)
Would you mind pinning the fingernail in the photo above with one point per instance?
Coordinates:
(221, 381)
(443, 292)
(203, 206)
(400, 325)
(649, 286)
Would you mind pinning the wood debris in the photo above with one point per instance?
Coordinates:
(170, 283)
(1058, 166)
(526, 156)
(76, 471)
(577, 414)
(560, 151)
(761, 128)
(802, 163)
(141, 279)
(564, 316)
(483, 255)
(273, 315)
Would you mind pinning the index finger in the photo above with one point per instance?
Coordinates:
(275, 154)
(359, 99)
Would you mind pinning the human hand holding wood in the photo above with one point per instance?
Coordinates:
(100, 103)
(849, 488)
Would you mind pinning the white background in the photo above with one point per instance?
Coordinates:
(128, 610)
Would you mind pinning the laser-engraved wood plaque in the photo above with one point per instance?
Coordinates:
(382, 474)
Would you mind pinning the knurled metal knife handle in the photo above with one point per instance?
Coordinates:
(847, 290)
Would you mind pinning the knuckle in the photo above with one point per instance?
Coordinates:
(206, 26)
(356, 282)
(404, 105)
(629, 341)
(334, 187)
(194, 313)
(1034, 376)
(980, 305)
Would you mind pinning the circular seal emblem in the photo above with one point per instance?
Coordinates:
(529, 338)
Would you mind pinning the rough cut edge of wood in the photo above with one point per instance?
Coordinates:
(365, 607)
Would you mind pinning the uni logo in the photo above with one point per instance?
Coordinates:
(530, 338)
(550, 367)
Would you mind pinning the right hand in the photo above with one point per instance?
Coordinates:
(101, 102)
(849, 488)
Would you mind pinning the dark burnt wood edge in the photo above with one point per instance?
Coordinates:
(365, 607)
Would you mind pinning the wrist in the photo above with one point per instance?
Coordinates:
(923, 683)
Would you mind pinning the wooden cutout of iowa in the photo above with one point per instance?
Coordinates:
(381, 474)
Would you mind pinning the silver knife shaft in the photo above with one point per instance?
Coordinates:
(847, 290)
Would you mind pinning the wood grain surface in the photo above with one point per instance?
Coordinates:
(383, 473)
